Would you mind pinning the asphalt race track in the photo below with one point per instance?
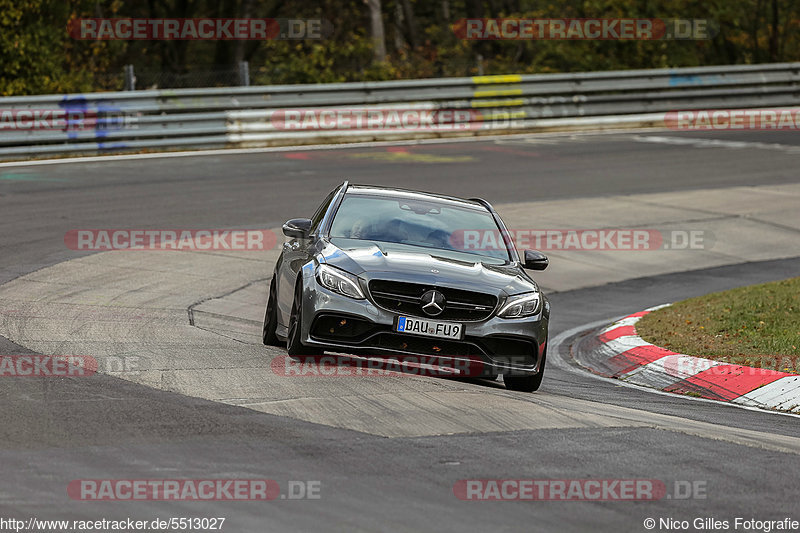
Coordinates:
(387, 454)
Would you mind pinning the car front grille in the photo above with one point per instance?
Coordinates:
(423, 345)
(406, 298)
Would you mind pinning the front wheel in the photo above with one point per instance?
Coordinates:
(526, 383)
(294, 346)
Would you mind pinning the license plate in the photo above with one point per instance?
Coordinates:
(429, 328)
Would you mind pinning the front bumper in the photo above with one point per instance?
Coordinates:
(490, 347)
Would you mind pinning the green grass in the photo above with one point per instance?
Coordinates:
(754, 326)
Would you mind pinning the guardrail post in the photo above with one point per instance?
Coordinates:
(130, 78)
(244, 73)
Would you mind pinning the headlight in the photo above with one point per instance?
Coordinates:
(339, 281)
(520, 306)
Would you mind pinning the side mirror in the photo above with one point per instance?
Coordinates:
(297, 228)
(535, 260)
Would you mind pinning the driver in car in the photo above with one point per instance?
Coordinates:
(389, 232)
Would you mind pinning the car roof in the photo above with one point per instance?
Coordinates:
(393, 192)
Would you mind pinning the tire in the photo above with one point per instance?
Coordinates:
(271, 318)
(294, 346)
(526, 383)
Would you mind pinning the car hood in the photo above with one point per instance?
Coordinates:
(430, 267)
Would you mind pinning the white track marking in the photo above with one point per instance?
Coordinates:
(302, 148)
(717, 143)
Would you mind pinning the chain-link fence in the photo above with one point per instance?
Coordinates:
(109, 81)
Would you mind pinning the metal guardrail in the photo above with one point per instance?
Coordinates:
(245, 116)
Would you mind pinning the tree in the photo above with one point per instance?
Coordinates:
(376, 27)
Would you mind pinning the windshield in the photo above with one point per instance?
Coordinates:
(424, 223)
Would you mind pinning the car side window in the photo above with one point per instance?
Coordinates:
(320, 214)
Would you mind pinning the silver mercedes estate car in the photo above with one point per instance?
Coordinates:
(390, 273)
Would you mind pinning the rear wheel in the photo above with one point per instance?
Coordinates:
(293, 344)
(271, 318)
(526, 383)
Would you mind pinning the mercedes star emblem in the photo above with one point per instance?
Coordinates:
(433, 302)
